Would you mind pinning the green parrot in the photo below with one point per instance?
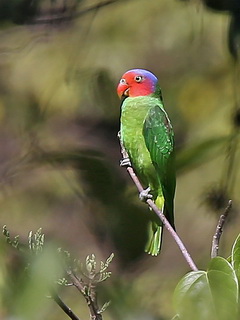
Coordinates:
(147, 135)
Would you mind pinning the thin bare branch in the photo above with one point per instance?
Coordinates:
(64, 307)
(160, 214)
(219, 230)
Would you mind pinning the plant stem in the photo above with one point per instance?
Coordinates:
(64, 307)
(219, 230)
(86, 291)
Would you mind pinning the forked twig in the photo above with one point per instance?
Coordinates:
(219, 230)
(160, 214)
(88, 295)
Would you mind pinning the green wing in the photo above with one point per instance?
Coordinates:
(159, 139)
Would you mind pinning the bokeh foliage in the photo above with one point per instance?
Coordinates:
(59, 115)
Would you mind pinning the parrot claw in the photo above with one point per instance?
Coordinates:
(145, 195)
(125, 162)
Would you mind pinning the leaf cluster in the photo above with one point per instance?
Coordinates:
(85, 276)
(88, 269)
(35, 241)
(211, 294)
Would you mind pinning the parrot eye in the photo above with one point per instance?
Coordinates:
(138, 78)
(122, 81)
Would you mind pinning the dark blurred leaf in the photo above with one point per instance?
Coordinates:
(216, 198)
(234, 35)
(6, 9)
(236, 116)
(223, 5)
(18, 11)
(25, 11)
(198, 154)
(208, 295)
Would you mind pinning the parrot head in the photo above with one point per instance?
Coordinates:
(137, 82)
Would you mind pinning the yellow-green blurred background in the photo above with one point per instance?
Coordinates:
(59, 159)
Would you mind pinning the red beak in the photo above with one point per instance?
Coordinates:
(123, 90)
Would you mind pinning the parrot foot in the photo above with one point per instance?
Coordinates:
(145, 195)
(125, 162)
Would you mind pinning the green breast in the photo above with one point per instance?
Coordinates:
(134, 112)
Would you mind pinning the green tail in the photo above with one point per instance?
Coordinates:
(153, 246)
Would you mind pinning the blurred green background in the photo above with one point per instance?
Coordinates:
(60, 62)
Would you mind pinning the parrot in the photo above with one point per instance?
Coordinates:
(147, 135)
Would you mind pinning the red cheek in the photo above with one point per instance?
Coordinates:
(140, 89)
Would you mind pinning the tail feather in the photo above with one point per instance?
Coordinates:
(153, 246)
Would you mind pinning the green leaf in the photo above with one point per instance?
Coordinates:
(208, 295)
(224, 286)
(236, 257)
(104, 307)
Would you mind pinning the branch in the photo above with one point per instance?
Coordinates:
(160, 214)
(89, 295)
(219, 230)
(63, 306)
